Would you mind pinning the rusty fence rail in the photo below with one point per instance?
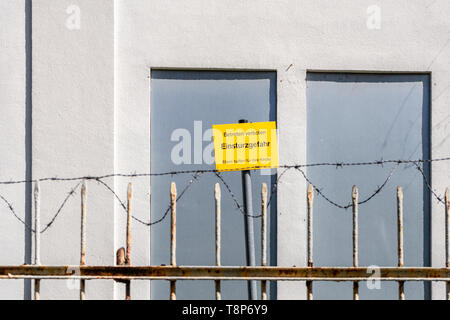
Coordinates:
(124, 272)
(223, 273)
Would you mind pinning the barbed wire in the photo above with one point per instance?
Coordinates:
(73, 191)
(69, 195)
(122, 204)
(275, 186)
(196, 174)
(428, 185)
(233, 197)
(11, 208)
(349, 205)
(171, 173)
(52, 220)
(195, 178)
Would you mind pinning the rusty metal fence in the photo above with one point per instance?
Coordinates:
(124, 272)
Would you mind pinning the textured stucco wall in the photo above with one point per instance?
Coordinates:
(91, 102)
(292, 37)
(73, 131)
(14, 149)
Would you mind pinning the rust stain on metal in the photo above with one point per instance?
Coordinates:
(120, 257)
(120, 261)
(212, 272)
(310, 193)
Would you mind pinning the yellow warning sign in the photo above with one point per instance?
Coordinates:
(245, 146)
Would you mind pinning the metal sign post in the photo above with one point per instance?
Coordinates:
(248, 222)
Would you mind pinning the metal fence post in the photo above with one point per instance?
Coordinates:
(355, 239)
(401, 284)
(83, 239)
(264, 237)
(447, 239)
(217, 196)
(173, 236)
(37, 237)
(128, 252)
(310, 198)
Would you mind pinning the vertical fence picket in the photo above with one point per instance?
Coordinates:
(447, 239)
(401, 284)
(310, 198)
(128, 252)
(173, 236)
(264, 237)
(37, 237)
(83, 239)
(355, 239)
(217, 197)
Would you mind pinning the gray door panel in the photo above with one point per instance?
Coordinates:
(180, 100)
(363, 117)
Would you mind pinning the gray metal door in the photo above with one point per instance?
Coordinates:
(363, 117)
(184, 105)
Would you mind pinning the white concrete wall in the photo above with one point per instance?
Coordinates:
(14, 239)
(73, 131)
(91, 101)
(132, 139)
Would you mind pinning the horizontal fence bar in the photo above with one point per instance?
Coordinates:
(224, 273)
